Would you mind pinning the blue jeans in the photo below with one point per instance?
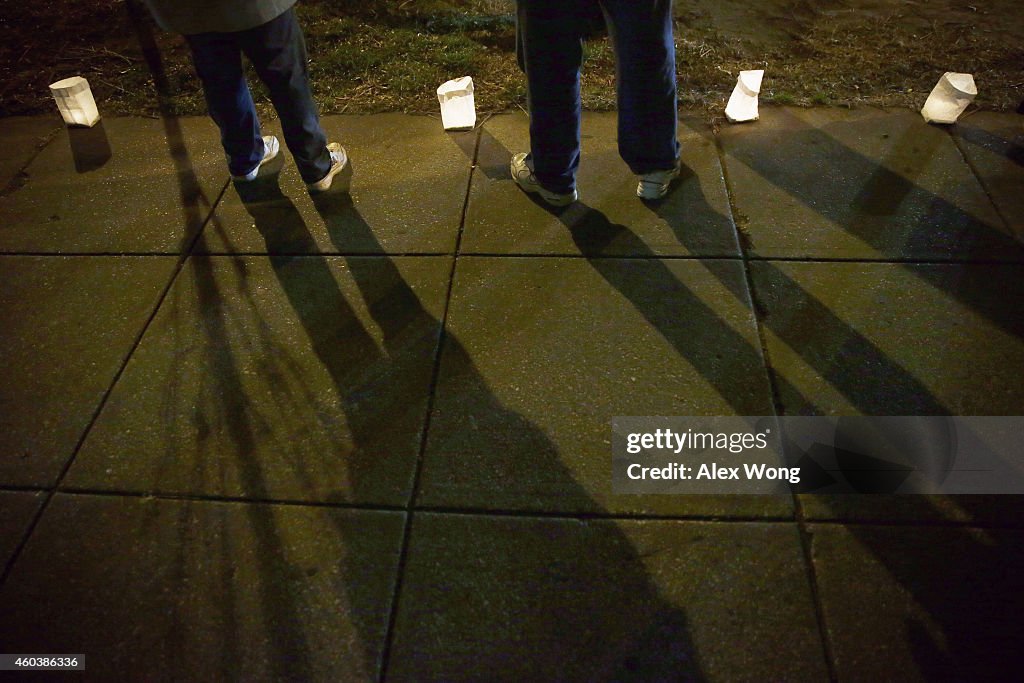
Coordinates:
(277, 51)
(550, 51)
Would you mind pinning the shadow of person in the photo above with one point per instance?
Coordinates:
(975, 599)
(380, 390)
(192, 567)
(224, 404)
(937, 601)
(717, 351)
(601, 617)
(862, 371)
(1006, 145)
(960, 581)
(695, 330)
(891, 212)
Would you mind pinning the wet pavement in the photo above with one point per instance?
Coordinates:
(251, 435)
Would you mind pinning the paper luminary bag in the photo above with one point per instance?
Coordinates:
(743, 102)
(75, 102)
(458, 111)
(949, 98)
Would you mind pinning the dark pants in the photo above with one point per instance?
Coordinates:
(550, 48)
(277, 51)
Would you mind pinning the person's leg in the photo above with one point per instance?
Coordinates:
(646, 72)
(218, 61)
(277, 51)
(551, 51)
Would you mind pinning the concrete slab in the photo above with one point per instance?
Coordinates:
(994, 145)
(125, 185)
(694, 219)
(928, 603)
(295, 378)
(16, 511)
(521, 599)
(69, 324)
(542, 353)
(21, 137)
(889, 339)
(205, 591)
(894, 339)
(409, 186)
(861, 184)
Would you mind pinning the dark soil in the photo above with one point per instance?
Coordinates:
(379, 55)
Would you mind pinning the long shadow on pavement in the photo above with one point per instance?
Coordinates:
(958, 623)
(966, 628)
(958, 584)
(191, 555)
(291, 649)
(868, 211)
(604, 617)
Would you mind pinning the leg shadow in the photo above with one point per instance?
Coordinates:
(887, 210)
(602, 618)
(960, 580)
(720, 354)
(289, 651)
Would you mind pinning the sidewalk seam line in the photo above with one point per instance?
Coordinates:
(981, 182)
(179, 266)
(777, 407)
(403, 555)
(508, 513)
(12, 185)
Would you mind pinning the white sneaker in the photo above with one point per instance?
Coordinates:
(522, 173)
(270, 149)
(339, 165)
(654, 185)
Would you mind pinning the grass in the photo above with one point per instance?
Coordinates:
(380, 55)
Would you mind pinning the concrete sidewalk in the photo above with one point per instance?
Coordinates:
(368, 436)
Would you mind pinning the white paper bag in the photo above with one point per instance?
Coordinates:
(949, 98)
(74, 99)
(743, 102)
(458, 111)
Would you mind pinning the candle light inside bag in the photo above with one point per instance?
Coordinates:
(74, 99)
